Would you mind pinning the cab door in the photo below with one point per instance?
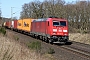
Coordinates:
(47, 27)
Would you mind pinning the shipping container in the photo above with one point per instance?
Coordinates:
(15, 24)
(7, 24)
(27, 24)
(20, 24)
(12, 24)
(4, 24)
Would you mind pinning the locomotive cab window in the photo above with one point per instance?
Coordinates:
(59, 23)
(56, 23)
(62, 23)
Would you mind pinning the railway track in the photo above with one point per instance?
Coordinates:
(76, 48)
(78, 51)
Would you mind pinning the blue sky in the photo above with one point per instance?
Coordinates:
(6, 5)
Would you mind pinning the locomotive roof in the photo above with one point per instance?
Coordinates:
(42, 19)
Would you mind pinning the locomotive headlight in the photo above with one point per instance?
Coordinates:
(54, 30)
(65, 34)
(64, 30)
(54, 33)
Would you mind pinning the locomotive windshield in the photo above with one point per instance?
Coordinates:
(56, 23)
(59, 23)
(62, 23)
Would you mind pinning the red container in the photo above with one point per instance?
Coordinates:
(15, 24)
(7, 24)
(10, 23)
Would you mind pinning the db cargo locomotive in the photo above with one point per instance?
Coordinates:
(52, 29)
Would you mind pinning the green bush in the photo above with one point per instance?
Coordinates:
(35, 45)
(3, 30)
(85, 31)
(51, 51)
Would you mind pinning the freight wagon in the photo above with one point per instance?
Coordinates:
(7, 24)
(24, 25)
(15, 25)
(20, 25)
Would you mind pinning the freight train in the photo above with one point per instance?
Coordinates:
(51, 30)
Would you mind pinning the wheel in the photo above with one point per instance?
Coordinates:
(51, 41)
(46, 40)
(43, 39)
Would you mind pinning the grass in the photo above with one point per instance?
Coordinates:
(79, 37)
(3, 30)
(7, 55)
(18, 51)
(51, 51)
(16, 38)
(35, 46)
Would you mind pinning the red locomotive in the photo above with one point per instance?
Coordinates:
(51, 30)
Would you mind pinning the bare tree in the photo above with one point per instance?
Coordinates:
(77, 14)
